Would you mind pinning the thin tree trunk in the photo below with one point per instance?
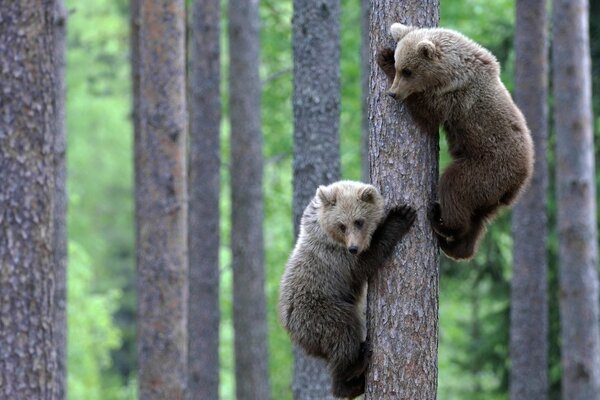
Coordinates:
(249, 305)
(576, 201)
(27, 135)
(204, 187)
(61, 201)
(529, 288)
(316, 102)
(403, 298)
(161, 199)
(365, 72)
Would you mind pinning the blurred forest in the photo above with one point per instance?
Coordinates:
(474, 297)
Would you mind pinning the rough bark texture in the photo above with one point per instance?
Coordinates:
(403, 298)
(60, 201)
(204, 163)
(529, 287)
(27, 135)
(365, 72)
(316, 102)
(249, 305)
(576, 198)
(161, 200)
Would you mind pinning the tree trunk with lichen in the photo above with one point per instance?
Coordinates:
(403, 297)
(161, 198)
(27, 136)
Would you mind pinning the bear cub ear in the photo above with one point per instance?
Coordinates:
(399, 30)
(426, 48)
(326, 195)
(367, 194)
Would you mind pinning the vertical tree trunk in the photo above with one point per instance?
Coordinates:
(403, 298)
(365, 72)
(316, 102)
(205, 160)
(249, 308)
(576, 198)
(161, 200)
(61, 201)
(27, 136)
(529, 290)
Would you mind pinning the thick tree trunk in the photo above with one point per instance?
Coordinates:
(576, 198)
(61, 201)
(27, 136)
(529, 290)
(316, 102)
(161, 200)
(403, 298)
(205, 160)
(365, 73)
(249, 305)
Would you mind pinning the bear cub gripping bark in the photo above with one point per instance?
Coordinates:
(446, 79)
(344, 238)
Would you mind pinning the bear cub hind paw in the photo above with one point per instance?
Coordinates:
(437, 223)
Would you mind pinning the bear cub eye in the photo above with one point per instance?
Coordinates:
(359, 223)
(342, 228)
(406, 72)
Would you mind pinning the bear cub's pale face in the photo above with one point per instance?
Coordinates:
(349, 213)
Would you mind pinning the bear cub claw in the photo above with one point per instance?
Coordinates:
(437, 222)
(402, 217)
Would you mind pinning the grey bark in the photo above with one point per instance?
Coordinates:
(529, 286)
(161, 200)
(204, 163)
(403, 298)
(249, 305)
(576, 202)
(365, 72)
(27, 135)
(61, 201)
(316, 102)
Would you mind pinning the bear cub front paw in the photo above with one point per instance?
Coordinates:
(385, 60)
(401, 219)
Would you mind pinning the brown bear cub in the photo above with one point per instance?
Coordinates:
(344, 238)
(446, 79)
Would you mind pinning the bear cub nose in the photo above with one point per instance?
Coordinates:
(353, 249)
(391, 94)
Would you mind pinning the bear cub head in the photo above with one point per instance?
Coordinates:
(349, 213)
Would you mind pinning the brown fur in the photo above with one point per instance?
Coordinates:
(322, 288)
(447, 79)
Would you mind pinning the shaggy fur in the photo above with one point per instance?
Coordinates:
(342, 242)
(446, 79)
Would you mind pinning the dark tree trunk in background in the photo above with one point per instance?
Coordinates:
(27, 135)
(403, 298)
(576, 201)
(316, 102)
(529, 286)
(365, 72)
(161, 200)
(204, 163)
(247, 246)
(61, 201)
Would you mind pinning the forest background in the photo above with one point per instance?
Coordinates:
(474, 296)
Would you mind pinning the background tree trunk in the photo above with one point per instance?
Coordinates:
(161, 200)
(61, 200)
(27, 136)
(529, 287)
(249, 305)
(204, 189)
(365, 72)
(403, 298)
(576, 202)
(316, 102)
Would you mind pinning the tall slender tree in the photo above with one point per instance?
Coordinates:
(365, 72)
(576, 198)
(60, 201)
(403, 298)
(247, 245)
(204, 164)
(529, 287)
(316, 102)
(161, 197)
(27, 136)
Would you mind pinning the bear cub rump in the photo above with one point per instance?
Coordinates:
(446, 79)
(344, 238)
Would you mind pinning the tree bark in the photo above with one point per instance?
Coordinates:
(365, 72)
(247, 245)
(161, 200)
(529, 287)
(403, 298)
(27, 136)
(316, 102)
(576, 202)
(61, 201)
(204, 187)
